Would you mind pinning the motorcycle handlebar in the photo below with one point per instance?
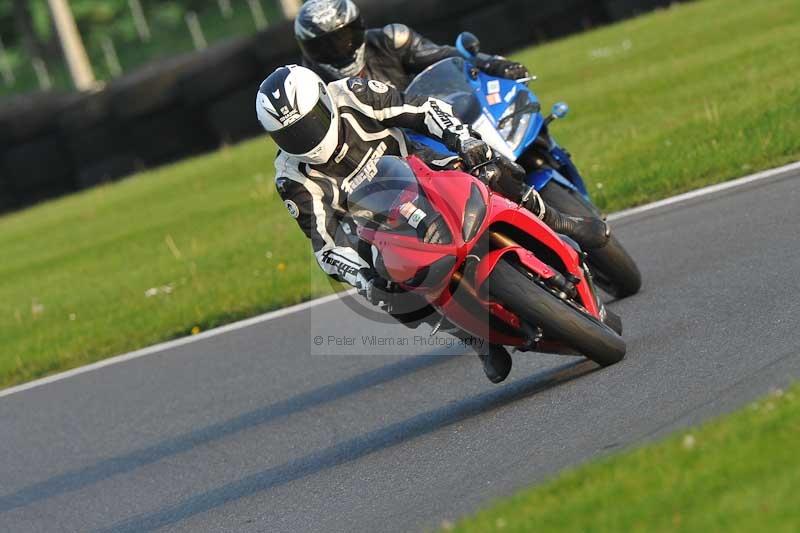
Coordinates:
(487, 171)
(482, 165)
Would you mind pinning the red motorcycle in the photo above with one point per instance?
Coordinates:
(486, 264)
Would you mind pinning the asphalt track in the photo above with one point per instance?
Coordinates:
(259, 429)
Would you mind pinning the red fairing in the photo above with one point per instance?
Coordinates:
(502, 210)
(403, 261)
(526, 257)
(452, 189)
(406, 257)
(448, 190)
(476, 324)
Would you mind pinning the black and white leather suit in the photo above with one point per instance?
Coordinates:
(370, 115)
(396, 53)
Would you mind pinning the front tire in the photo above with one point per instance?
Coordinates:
(613, 268)
(536, 306)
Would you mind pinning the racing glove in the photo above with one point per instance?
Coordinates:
(503, 68)
(505, 177)
(464, 141)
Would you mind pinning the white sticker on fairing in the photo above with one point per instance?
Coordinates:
(413, 214)
(294, 211)
(377, 86)
(416, 218)
(493, 86)
(407, 209)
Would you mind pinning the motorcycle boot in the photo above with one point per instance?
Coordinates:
(589, 232)
(495, 358)
(496, 362)
(507, 177)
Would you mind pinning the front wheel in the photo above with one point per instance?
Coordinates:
(536, 306)
(613, 268)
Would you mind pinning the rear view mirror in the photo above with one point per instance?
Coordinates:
(468, 44)
(560, 109)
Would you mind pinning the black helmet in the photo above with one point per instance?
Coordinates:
(331, 34)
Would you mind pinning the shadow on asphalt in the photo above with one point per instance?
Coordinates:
(78, 479)
(356, 448)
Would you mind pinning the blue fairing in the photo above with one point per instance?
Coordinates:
(493, 97)
(427, 141)
(542, 177)
(509, 90)
(537, 179)
(568, 167)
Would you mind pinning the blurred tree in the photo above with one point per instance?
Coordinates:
(27, 31)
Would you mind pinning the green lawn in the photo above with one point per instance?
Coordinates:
(739, 473)
(697, 94)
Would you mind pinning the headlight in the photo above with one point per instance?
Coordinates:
(517, 118)
(514, 130)
(505, 131)
(474, 214)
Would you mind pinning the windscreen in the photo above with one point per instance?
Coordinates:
(392, 200)
(447, 81)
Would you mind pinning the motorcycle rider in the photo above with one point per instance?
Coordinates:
(335, 44)
(330, 138)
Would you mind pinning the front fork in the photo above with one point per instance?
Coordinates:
(587, 272)
(568, 168)
(545, 152)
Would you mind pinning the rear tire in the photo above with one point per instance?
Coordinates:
(536, 306)
(614, 269)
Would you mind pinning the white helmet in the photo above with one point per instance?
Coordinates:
(294, 106)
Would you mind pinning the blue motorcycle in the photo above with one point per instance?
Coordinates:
(507, 115)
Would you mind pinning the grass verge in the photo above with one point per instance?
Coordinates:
(738, 473)
(674, 100)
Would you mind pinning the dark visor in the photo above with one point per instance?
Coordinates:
(307, 133)
(337, 48)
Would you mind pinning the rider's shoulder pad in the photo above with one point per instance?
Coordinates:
(357, 85)
(398, 35)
